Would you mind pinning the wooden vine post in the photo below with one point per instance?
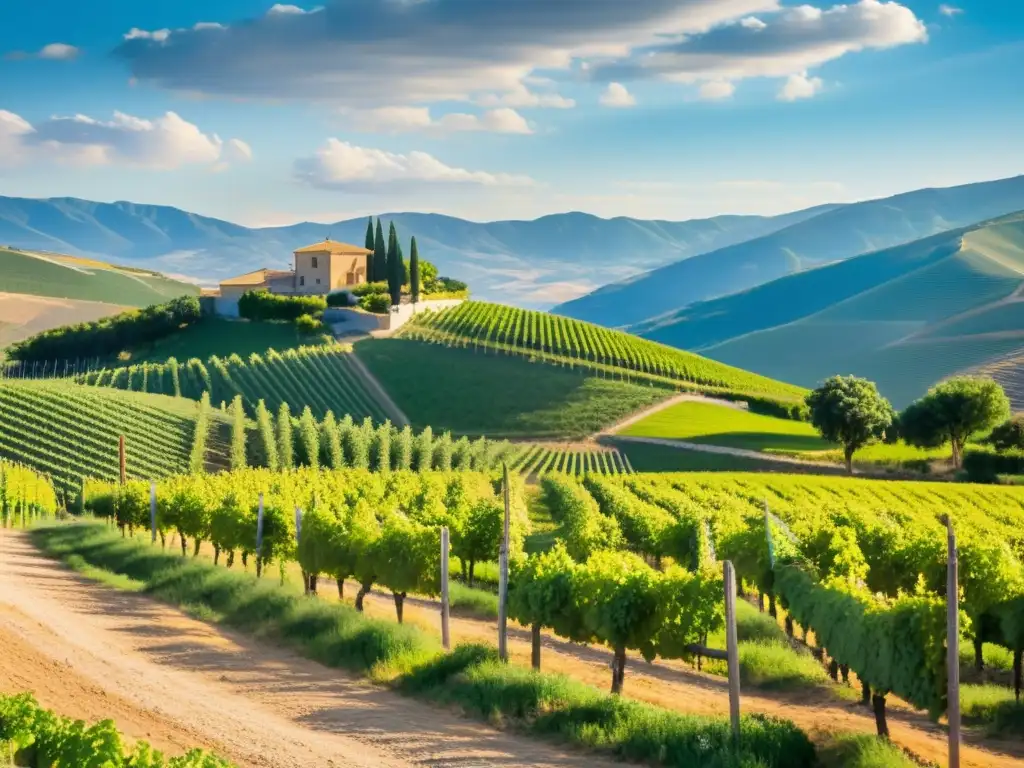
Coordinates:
(503, 573)
(953, 646)
(446, 639)
(152, 510)
(121, 459)
(732, 649)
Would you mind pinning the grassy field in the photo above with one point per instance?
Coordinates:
(62, 277)
(217, 336)
(69, 431)
(472, 392)
(22, 315)
(561, 340)
(322, 377)
(714, 424)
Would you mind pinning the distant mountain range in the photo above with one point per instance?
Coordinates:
(528, 263)
(905, 317)
(831, 235)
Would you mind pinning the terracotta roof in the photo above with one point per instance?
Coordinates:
(257, 278)
(333, 246)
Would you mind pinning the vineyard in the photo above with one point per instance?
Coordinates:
(36, 736)
(24, 496)
(68, 432)
(539, 460)
(323, 378)
(563, 340)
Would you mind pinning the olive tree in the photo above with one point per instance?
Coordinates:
(850, 411)
(954, 410)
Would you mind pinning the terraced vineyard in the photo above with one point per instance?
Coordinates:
(1009, 372)
(324, 378)
(567, 341)
(68, 431)
(539, 460)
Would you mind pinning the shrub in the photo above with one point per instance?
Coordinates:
(263, 305)
(378, 303)
(308, 324)
(111, 335)
(1009, 435)
(447, 285)
(340, 298)
(367, 288)
(985, 466)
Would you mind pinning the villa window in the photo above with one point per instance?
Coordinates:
(318, 281)
(314, 265)
(302, 279)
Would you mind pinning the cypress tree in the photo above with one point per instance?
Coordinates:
(330, 443)
(414, 271)
(371, 243)
(423, 450)
(309, 438)
(267, 456)
(380, 257)
(285, 441)
(238, 460)
(380, 448)
(403, 448)
(394, 267)
(443, 453)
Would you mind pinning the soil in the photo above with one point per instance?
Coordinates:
(91, 652)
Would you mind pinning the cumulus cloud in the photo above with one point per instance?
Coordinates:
(715, 90)
(52, 51)
(800, 86)
(778, 45)
(165, 143)
(341, 165)
(378, 52)
(409, 119)
(617, 95)
(950, 10)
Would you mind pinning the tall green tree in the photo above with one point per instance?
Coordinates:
(238, 457)
(266, 450)
(414, 271)
(394, 267)
(380, 257)
(954, 410)
(370, 244)
(850, 411)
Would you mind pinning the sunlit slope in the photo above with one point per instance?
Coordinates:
(49, 274)
(958, 309)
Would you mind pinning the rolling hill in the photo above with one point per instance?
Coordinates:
(905, 317)
(533, 263)
(831, 236)
(42, 290)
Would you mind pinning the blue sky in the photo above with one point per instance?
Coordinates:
(493, 109)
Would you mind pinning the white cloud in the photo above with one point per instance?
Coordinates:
(369, 53)
(781, 45)
(157, 35)
(409, 119)
(165, 143)
(950, 10)
(715, 90)
(341, 165)
(295, 10)
(800, 86)
(58, 51)
(617, 95)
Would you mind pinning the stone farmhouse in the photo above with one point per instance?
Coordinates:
(320, 268)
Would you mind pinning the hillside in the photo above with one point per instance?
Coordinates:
(905, 317)
(39, 291)
(69, 431)
(564, 341)
(833, 235)
(528, 262)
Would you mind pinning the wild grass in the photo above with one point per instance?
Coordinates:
(409, 659)
(864, 751)
(992, 706)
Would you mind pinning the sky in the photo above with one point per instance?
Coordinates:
(267, 114)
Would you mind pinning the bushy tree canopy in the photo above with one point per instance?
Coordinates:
(850, 411)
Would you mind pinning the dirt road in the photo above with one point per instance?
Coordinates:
(92, 652)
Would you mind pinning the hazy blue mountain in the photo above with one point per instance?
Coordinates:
(530, 263)
(830, 236)
(904, 317)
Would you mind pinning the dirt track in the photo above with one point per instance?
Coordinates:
(93, 652)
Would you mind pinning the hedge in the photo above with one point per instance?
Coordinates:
(262, 305)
